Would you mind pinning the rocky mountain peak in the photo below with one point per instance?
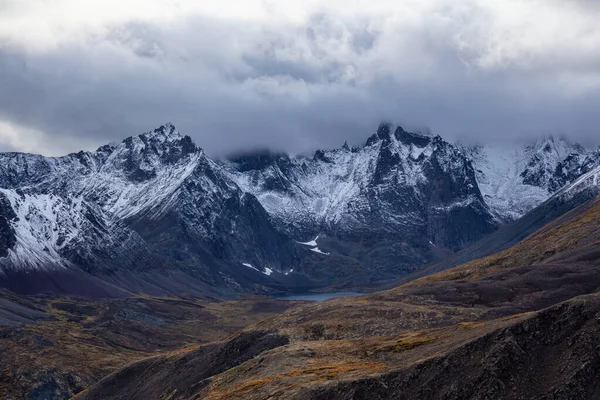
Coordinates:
(142, 155)
(543, 158)
(160, 140)
(384, 133)
(555, 146)
(167, 131)
(412, 138)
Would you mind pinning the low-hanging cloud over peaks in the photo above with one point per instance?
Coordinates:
(294, 75)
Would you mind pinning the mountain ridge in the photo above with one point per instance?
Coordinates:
(382, 209)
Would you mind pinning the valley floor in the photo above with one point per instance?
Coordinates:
(53, 348)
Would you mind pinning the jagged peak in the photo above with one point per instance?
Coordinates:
(384, 133)
(164, 138)
(167, 131)
(164, 134)
(554, 147)
(141, 156)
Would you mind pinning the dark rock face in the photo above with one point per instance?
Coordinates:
(534, 175)
(279, 164)
(7, 232)
(453, 223)
(572, 168)
(51, 386)
(409, 138)
(383, 133)
(259, 160)
(163, 144)
(555, 163)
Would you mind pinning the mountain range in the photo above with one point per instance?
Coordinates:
(156, 214)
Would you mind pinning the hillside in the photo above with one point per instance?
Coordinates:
(54, 347)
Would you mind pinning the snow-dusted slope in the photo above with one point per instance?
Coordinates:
(126, 179)
(156, 196)
(399, 184)
(48, 231)
(514, 179)
(590, 181)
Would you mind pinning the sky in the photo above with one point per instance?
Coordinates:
(295, 75)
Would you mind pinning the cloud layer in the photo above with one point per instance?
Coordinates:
(294, 77)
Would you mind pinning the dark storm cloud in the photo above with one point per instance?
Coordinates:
(233, 86)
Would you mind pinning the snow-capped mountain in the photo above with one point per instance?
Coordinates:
(514, 179)
(398, 185)
(156, 214)
(156, 196)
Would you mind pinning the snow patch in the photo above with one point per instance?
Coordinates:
(250, 266)
(267, 271)
(312, 243)
(317, 250)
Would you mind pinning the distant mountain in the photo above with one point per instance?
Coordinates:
(568, 201)
(399, 184)
(153, 213)
(382, 209)
(514, 179)
(156, 214)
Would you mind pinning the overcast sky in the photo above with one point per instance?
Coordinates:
(294, 75)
